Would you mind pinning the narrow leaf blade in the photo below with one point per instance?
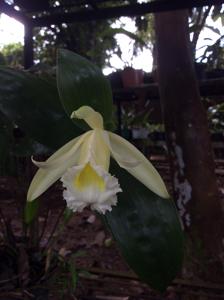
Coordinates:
(31, 211)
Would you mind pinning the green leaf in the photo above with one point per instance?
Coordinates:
(25, 146)
(33, 104)
(216, 13)
(7, 162)
(31, 211)
(74, 276)
(82, 83)
(147, 230)
(68, 213)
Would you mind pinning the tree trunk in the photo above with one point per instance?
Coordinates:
(189, 146)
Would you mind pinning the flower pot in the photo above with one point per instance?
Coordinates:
(131, 77)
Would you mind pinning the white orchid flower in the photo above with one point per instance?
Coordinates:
(83, 166)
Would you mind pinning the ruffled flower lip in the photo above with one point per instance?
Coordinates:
(90, 185)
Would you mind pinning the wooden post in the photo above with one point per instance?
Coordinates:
(189, 146)
(28, 45)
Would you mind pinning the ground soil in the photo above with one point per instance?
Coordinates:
(104, 274)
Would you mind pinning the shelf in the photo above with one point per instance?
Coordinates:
(208, 88)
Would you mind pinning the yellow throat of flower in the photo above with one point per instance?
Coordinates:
(88, 177)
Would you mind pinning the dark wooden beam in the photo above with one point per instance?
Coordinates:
(119, 11)
(212, 87)
(11, 12)
(208, 88)
(28, 47)
(32, 5)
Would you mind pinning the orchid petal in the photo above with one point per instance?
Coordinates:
(125, 161)
(90, 116)
(101, 154)
(62, 155)
(123, 151)
(44, 178)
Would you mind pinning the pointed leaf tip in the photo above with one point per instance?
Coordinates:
(80, 83)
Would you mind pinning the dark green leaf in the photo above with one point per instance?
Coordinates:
(68, 213)
(25, 146)
(79, 253)
(82, 83)
(7, 161)
(31, 211)
(33, 104)
(74, 276)
(147, 230)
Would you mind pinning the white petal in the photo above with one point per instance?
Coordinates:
(95, 150)
(97, 199)
(144, 171)
(125, 161)
(90, 116)
(44, 178)
(63, 154)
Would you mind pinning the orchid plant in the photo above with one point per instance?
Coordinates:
(97, 167)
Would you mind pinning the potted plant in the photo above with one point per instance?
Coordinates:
(131, 77)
